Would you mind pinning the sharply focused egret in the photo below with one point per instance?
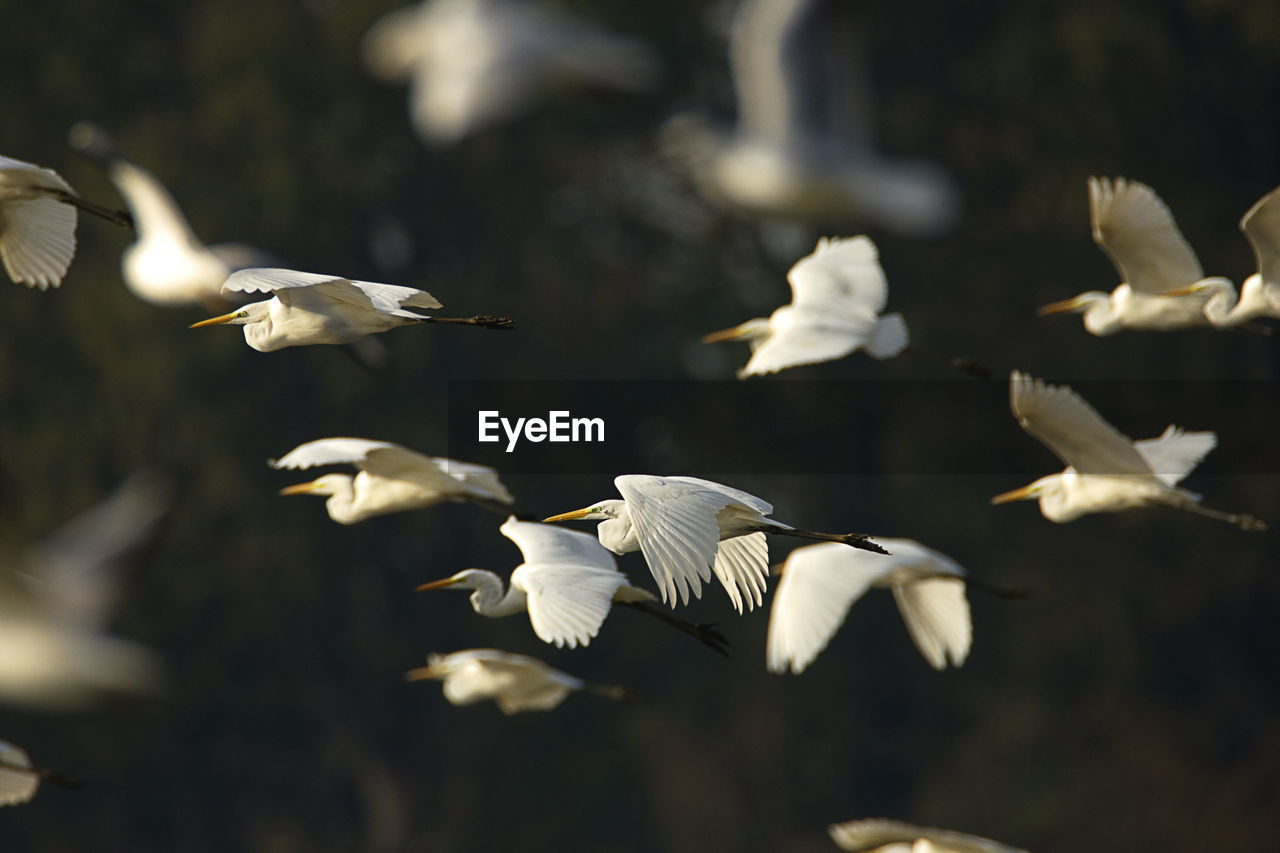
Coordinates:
(566, 584)
(837, 294)
(687, 528)
(390, 479)
(515, 682)
(308, 308)
(1106, 470)
(19, 780)
(54, 652)
(821, 582)
(1260, 293)
(474, 63)
(1136, 230)
(803, 146)
(167, 265)
(38, 223)
(894, 836)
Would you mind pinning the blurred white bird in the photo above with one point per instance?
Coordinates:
(893, 836)
(53, 650)
(19, 781)
(308, 308)
(390, 478)
(167, 265)
(819, 583)
(1107, 471)
(688, 528)
(471, 64)
(1137, 231)
(837, 294)
(803, 146)
(567, 584)
(515, 682)
(38, 223)
(1260, 294)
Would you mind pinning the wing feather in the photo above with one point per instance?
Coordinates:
(675, 522)
(936, 613)
(1175, 453)
(1137, 231)
(567, 603)
(742, 565)
(16, 785)
(1261, 225)
(874, 833)
(1061, 420)
(37, 240)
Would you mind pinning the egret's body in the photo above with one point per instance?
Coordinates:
(1107, 471)
(471, 64)
(875, 835)
(515, 682)
(837, 294)
(308, 308)
(819, 583)
(390, 478)
(803, 147)
(167, 264)
(688, 528)
(1136, 230)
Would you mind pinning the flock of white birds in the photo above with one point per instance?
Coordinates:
(470, 64)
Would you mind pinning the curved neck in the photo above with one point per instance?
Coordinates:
(489, 599)
(618, 534)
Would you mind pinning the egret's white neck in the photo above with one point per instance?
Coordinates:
(489, 598)
(617, 533)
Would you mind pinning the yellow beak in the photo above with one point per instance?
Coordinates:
(300, 488)
(440, 584)
(215, 321)
(569, 516)
(1059, 307)
(1025, 493)
(422, 673)
(723, 335)
(1184, 291)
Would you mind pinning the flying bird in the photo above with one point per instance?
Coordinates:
(819, 583)
(390, 478)
(515, 682)
(38, 223)
(1106, 470)
(166, 265)
(567, 584)
(19, 781)
(1260, 294)
(1137, 231)
(688, 528)
(837, 295)
(804, 146)
(472, 64)
(894, 836)
(307, 308)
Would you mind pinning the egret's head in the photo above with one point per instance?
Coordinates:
(329, 484)
(751, 330)
(599, 512)
(433, 670)
(238, 317)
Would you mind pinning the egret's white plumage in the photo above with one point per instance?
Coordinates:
(803, 145)
(567, 583)
(1136, 230)
(837, 295)
(37, 228)
(18, 781)
(688, 528)
(876, 835)
(515, 682)
(390, 478)
(821, 582)
(1107, 471)
(471, 64)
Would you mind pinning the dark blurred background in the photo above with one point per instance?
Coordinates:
(1130, 703)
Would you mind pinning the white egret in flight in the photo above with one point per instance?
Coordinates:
(515, 682)
(894, 836)
(1106, 470)
(1260, 294)
(821, 582)
(567, 584)
(19, 781)
(1137, 231)
(38, 223)
(804, 142)
(688, 528)
(54, 650)
(837, 294)
(390, 478)
(308, 308)
(167, 264)
(471, 64)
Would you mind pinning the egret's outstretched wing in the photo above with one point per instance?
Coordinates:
(742, 566)
(675, 521)
(285, 284)
(809, 339)
(481, 479)
(38, 233)
(567, 602)
(551, 544)
(936, 613)
(1061, 420)
(874, 833)
(17, 785)
(1175, 453)
(818, 586)
(329, 451)
(841, 276)
(1261, 225)
(1137, 231)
